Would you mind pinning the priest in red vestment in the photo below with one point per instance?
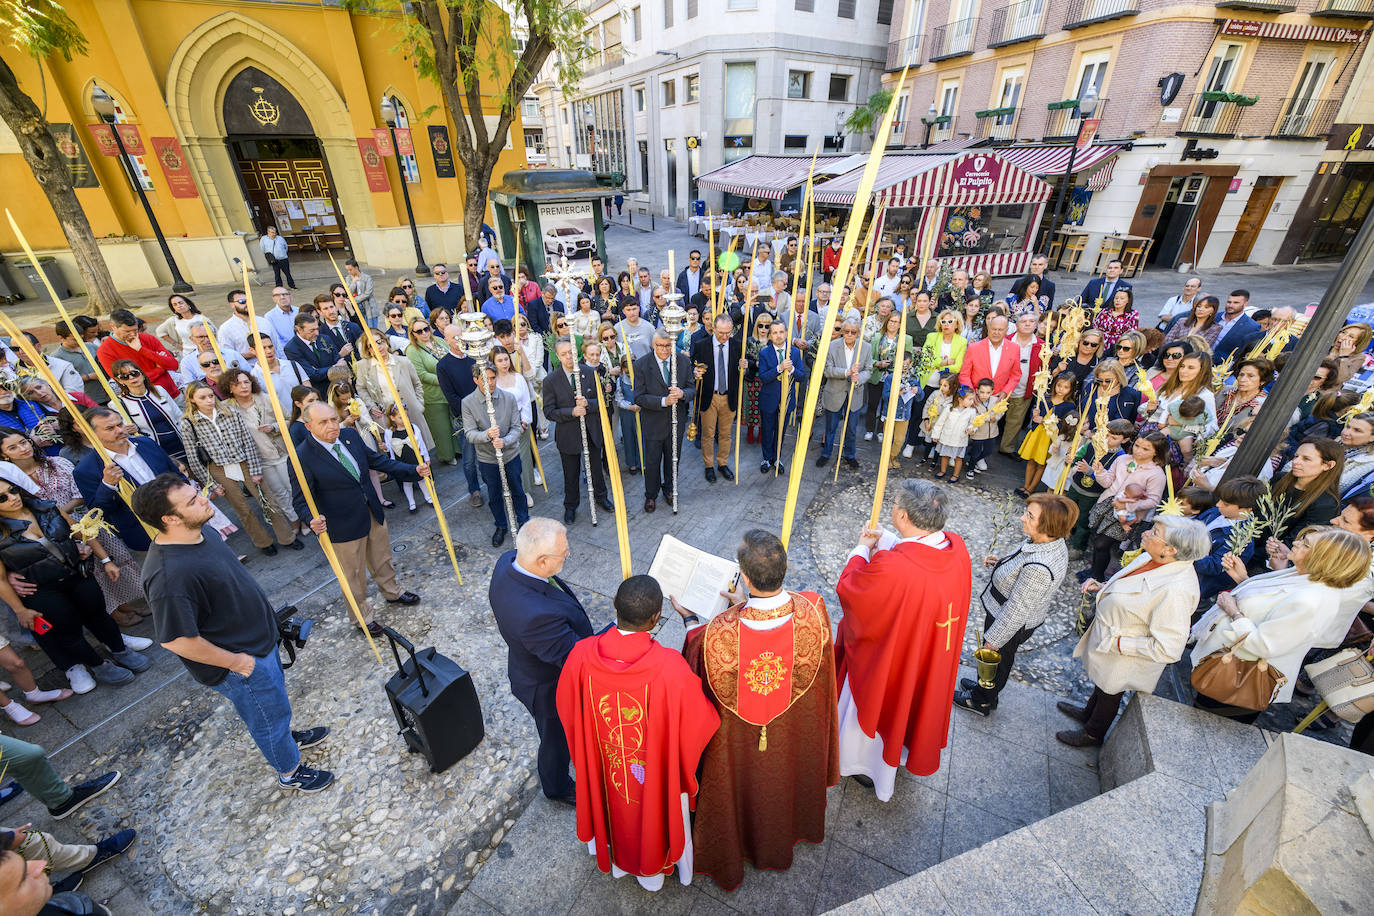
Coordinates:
(905, 600)
(637, 721)
(768, 664)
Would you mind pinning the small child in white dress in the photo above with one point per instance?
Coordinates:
(950, 432)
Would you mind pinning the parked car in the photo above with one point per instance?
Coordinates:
(569, 242)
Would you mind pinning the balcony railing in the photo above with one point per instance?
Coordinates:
(995, 124)
(1086, 12)
(905, 52)
(1211, 118)
(1063, 123)
(1306, 118)
(1345, 9)
(953, 40)
(1016, 22)
(1263, 6)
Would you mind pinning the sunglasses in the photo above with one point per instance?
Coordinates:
(207, 365)
(128, 375)
(240, 301)
(393, 314)
(1173, 356)
(1091, 343)
(441, 273)
(7, 494)
(561, 324)
(421, 330)
(341, 295)
(609, 337)
(405, 286)
(1124, 348)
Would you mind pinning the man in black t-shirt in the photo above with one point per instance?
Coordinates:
(210, 611)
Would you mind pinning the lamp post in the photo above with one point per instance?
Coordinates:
(389, 119)
(1087, 104)
(105, 108)
(932, 115)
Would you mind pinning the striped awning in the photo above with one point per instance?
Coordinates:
(767, 177)
(960, 179)
(1053, 160)
(1103, 176)
(1290, 31)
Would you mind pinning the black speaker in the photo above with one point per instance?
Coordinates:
(435, 703)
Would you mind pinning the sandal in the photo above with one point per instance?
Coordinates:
(388, 504)
(1021, 492)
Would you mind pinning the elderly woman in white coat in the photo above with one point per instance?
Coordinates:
(1280, 616)
(1141, 624)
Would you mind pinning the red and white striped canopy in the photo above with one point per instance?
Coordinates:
(1290, 31)
(767, 177)
(918, 181)
(1053, 160)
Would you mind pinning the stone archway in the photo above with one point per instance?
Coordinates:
(198, 77)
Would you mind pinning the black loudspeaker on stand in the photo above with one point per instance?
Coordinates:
(435, 703)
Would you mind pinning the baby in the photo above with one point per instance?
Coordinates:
(1129, 495)
(1187, 418)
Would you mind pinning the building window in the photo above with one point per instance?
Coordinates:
(529, 108)
(636, 24)
(739, 110)
(833, 144)
(846, 9)
(409, 164)
(1223, 67)
(644, 164)
(949, 108)
(884, 12)
(667, 14)
(1013, 80)
(899, 118)
(839, 87)
(1092, 71)
(639, 98)
(742, 4)
(806, 6)
(669, 93)
(691, 87)
(691, 9)
(793, 141)
(565, 116)
(798, 84)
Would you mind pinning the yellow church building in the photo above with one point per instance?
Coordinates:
(236, 116)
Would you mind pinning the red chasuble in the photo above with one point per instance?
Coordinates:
(764, 774)
(899, 643)
(637, 722)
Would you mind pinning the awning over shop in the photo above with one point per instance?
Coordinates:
(1053, 160)
(973, 177)
(767, 177)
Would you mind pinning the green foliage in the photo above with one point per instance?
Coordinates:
(865, 118)
(40, 28)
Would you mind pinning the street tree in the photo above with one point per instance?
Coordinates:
(864, 119)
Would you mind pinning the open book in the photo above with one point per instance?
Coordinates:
(694, 577)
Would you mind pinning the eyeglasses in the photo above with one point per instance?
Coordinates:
(441, 273)
(560, 324)
(609, 337)
(125, 376)
(403, 286)
(695, 257)
(240, 301)
(1091, 343)
(341, 295)
(1124, 348)
(1173, 356)
(393, 314)
(207, 365)
(8, 494)
(421, 330)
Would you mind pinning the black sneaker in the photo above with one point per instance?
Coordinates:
(311, 736)
(306, 779)
(69, 884)
(84, 793)
(110, 847)
(965, 701)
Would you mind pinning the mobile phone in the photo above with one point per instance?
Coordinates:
(40, 625)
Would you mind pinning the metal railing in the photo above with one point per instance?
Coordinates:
(1064, 123)
(905, 52)
(1016, 22)
(1211, 119)
(994, 128)
(1306, 117)
(954, 39)
(1345, 9)
(1086, 12)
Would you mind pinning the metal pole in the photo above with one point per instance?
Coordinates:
(1271, 423)
(1059, 199)
(421, 267)
(179, 285)
(512, 524)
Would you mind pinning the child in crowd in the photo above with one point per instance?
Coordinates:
(943, 400)
(1084, 489)
(1187, 420)
(951, 430)
(1044, 433)
(982, 438)
(399, 446)
(1235, 501)
(1195, 500)
(1130, 495)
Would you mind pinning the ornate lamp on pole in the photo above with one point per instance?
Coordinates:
(389, 119)
(1087, 104)
(477, 344)
(932, 116)
(674, 318)
(104, 106)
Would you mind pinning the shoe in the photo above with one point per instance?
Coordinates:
(862, 780)
(109, 848)
(726, 473)
(605, 503)
(538, 479)
(649, 504)
(498, 537)
(68, 885)
(1077, 738)
(47, 696)
(668, 498)
(113, 674)
(969, 476)
(137, 643)
(1083, 575)
(765, 467)
(271, 549)
(404, 598)
(10, 791)
(982, 465)
(306, 779)
(295, 544)
(569, 516)
(852, 463)
(21, 716)
(374, 629)
(710, 475)
(125, 618)
(965, 701)
(907, 451)
(880, 436)
(868, 437)
(529, 501)
(85, 792)
(310, 737)
(1022, 492)
(134, 661)
(940, 476)
(967, 683)
(388, 504)
(780, 468)
(821, 460)
(1077, 713)
(570, 800)
(80, 679)
(475, 500)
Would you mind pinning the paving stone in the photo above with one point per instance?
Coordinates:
(850, 875)
(903, 833)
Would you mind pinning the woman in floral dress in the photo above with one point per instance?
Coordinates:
(752, 347)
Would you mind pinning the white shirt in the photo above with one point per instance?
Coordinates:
(276, 247)
(887, 285)
(763, 276)
(233, 335)
(1176, 306)
(282, 324)
(888, 540)
(1020, 390)
(995, 357)
(849, 356)
(133, 466)
(330, 446)
(520, 569)
(693, 281)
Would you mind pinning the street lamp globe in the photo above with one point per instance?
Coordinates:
(103, 104)
(932, 112)
(1087, 104)
(388, 112)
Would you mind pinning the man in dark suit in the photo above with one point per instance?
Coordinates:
(136, 460)
(658, 401)
(340, 333)
(1104, 288)
(1038, 267)
(336, 463)
(958, 294)
(563, 407)
(718, 363)
(690, 277)
(541, 620)
(311, 351)
(1239, 332)
(774, 360)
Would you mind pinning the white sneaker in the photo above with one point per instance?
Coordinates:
(137, 643)
(538, 479)
(80, 679)
(529, 500)
(880, 436)
(868, 437)
(982, 465)
(906, 452)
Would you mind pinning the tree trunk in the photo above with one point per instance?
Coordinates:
(477, 179)
(30, 128)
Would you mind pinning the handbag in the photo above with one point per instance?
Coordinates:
(202, 455)
(1230, 680)
(1346, 682)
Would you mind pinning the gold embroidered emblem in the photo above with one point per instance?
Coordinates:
(263, 111)
(765, 673)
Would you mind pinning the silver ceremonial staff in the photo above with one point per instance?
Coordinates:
(477, 344)
(674, 318)
(565, 273)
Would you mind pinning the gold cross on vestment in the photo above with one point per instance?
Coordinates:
(949, 624)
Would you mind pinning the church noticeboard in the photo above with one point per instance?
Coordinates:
(373, 166)
(73, 156)
(443, 153)
(173, 162)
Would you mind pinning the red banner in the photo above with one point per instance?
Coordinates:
(382, 138)
(373, 166)
(404, 145)
(173, 162)
(1087, 132)
(104, 139)
(133, 143)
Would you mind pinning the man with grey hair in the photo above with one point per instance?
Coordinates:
(1180, 305)
(848, 360)
(659, 400)
(905, 599)
(541, 620)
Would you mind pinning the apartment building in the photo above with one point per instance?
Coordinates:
(673, 89)
(1213, 117)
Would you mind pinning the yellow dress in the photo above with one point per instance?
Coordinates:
(1036, 446)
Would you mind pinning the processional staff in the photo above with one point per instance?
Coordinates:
(477, 345)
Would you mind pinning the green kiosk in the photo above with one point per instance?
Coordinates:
(555, 213)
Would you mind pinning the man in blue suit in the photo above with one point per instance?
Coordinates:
(772, 364)
(137, 459)
(1039, 266)
(1239, 332)
(336, 463)
(541, 620)
(1104, 288)
(312, 351)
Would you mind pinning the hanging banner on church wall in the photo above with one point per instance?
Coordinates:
(382, 137)
(73, 156)
(404, 145)
(133, 142)
(104, 139)
(373, 166)
(174, 166)
(443, 153)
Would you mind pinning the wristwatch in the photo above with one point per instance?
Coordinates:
(690, 617)
(107, 560)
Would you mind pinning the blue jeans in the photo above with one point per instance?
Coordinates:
(261, 702)
(492, 475)
(628, 438)
(469, 460)
(833, 419)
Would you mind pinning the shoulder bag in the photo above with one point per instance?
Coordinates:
(1346, 682)
(1229, 680)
